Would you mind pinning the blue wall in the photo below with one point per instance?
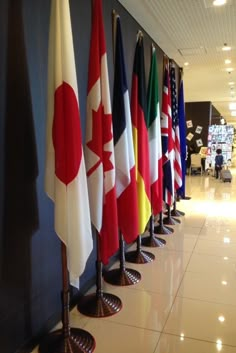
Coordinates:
(30, 266)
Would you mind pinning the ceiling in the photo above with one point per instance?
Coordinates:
(194, 31)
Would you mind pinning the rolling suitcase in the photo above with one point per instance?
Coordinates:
(226, 175)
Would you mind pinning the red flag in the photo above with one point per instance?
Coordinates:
(99, 150)
(124, 153)
(65, 178)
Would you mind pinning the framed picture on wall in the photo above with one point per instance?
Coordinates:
(198, 129)
(189, 124)
(189, 137)
(199, 143)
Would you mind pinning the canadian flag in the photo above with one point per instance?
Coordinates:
(99, 150)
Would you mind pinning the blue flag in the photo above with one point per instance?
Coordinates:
(182, 132)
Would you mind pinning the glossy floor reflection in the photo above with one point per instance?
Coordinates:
(186, 299)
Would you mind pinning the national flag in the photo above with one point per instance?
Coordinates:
(124, 153)
(182, 132)
(99, 150)
(175, 126)
(140, 136)
(154, 136)
(167, 141)
(65, 178)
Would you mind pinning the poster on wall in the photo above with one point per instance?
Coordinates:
(199, 143)
(189, 137)
(189, 124)
(198, 129)
(220, 137)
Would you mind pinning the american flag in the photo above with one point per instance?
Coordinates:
(176, 134)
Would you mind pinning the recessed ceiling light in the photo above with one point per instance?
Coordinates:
(219, 2)
(233, 113)
(226, 47)
(229, 69)
(231, 83)
(186, 64)
(232, 106)
(221, 318)
(227, 61)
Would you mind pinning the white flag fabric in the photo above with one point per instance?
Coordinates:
(65, 174)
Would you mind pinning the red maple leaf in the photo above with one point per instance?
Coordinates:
(101, 135)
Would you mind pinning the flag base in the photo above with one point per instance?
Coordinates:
(171, 221)
(161, 229)
(139, 257)
(153, 241)
(177, 213)
(186, 198)
(122, 277)
(99, 305)
(78, 341)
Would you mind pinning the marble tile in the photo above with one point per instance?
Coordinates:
(202, 320)
(181, 344)
(214, 288)
(116, 338)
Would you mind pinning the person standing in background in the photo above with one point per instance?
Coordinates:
(219, 160)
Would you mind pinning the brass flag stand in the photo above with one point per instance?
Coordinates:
(99, 304)
(161, 228)
(139, 256)
(122, 276)
(67, 340)
(152, 240)
(169, 219)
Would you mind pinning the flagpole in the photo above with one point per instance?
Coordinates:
(67, 340)
(152, 240)
(175, 212)
(161, 228)
(169, 220)
(99, 304)
(122, 276)
(139, 256)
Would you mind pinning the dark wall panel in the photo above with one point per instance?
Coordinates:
(30, 266)
(199, 113)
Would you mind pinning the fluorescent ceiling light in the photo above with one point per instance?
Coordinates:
(227, 61)
(186, 64)
(219, 2)
(231, 83)
(229, 69)
(233, 113)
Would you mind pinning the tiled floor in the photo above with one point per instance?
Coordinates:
(186, 300)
